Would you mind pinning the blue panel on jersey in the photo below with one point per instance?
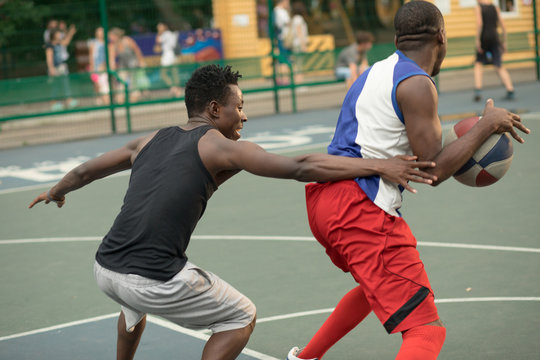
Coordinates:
(344, 141)
(370, 185)
(502, 150)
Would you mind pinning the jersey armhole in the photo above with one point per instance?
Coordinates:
(394, 90)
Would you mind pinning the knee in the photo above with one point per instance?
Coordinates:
(253, 315)
(252, 324)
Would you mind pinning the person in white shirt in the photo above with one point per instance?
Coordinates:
(281, 22)
(299, 33)
(166, 43)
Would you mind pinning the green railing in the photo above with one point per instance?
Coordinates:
(31, 97)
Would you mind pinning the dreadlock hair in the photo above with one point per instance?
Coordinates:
(209, 83)
(417, 23)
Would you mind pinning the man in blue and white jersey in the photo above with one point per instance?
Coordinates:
(391, 110)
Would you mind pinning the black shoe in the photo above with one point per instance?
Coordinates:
(477, 98)
(510, 96)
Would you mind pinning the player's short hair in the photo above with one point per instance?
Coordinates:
(209, 83)
(416, 23)
(363, 37)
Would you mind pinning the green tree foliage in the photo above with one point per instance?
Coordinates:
(16, 15)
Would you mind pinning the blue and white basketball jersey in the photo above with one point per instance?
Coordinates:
(371, 125)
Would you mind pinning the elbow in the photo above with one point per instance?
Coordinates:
(82, 173)
(304, 171)
(441, 177)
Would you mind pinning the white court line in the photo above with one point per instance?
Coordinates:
(272, 238)
(437, 301)
(61, 326)
(201, 334)
(150, 318)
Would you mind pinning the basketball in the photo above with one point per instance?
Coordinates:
(490, 162)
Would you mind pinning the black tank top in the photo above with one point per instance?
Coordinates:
(167, 195)
(489, 37)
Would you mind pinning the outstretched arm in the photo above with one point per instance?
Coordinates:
(107, 164)
(417, 99)
(223, 155)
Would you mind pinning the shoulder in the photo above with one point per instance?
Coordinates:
(214, 141)
(418, 90)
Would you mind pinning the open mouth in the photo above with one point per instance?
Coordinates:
(237, 132)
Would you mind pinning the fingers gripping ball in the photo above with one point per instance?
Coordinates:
(490, 162)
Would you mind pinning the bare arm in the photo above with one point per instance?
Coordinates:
(107, 164)
(221, 155)
(353, 68)
(417, 99)
(50, 62)
(112, 56)
(69, 35)
(91, 56)
(363, 66)
(479, 24)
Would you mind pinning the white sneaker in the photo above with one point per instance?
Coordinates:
(295, 351)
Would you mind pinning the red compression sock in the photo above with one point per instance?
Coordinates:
(422, 343)
(349, 312)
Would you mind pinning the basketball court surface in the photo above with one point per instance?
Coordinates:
(481, 248)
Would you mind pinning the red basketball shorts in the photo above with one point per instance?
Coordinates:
(378, 249)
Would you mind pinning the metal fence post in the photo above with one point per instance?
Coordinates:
(105, 26)
(271, 35)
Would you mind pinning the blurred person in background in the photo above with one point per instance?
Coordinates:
(56, 58)
(51, 25)
(352, 60)
(281, 22)
(98, 66)
(299, 33)
(489, 47)
(167, 43)
(128, 57)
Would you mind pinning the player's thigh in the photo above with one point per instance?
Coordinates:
(199, 299)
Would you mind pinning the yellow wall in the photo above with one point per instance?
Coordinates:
(237, 20)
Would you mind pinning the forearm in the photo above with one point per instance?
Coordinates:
(73, 180)
(322, 167)
(454, 155)
(88, 172)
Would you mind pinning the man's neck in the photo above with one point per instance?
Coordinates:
(199, 120)
(424, 58)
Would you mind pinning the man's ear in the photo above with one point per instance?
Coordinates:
(214, 108)
(441, 36)
(395, 41)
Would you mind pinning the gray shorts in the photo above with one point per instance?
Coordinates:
(193, 298)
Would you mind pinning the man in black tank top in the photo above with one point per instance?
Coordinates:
(489, 48)
(174, 172)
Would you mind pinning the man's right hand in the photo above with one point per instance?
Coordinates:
(503, 121)
(404, 168)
